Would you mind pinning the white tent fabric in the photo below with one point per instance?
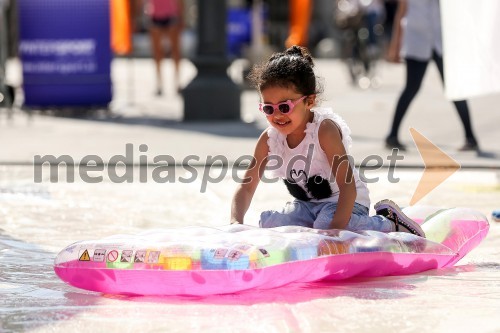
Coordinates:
(471, 47)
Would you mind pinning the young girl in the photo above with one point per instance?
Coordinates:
(307, 147)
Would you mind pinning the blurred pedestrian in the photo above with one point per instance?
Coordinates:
(360, 22)
(390, 8)
(166, 20)
(300, 18)
(417, 34)
(374, 16)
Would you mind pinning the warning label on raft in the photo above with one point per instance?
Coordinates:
(112, 256)
(99, 255)
(140, 256)
(126, 256)
(85, 256)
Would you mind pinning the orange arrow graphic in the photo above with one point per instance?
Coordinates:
(439, 166)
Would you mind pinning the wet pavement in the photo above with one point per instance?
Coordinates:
(40, 219)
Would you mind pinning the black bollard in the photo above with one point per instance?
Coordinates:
(212, 95)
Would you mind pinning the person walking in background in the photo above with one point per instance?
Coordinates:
(390, 8)
(300, 18)
(374, 16)
(166, 20)
(418, 41)
(361, 25)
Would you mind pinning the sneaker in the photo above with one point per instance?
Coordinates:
(402, 223)
(392, 142)
(496, 215)
(470, 145)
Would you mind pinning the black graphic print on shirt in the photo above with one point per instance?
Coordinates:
(317, 186)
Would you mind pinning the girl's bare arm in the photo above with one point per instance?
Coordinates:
(245, 191)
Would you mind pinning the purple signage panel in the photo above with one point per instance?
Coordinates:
(65, 52)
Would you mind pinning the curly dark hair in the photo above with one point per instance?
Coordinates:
(292, 68)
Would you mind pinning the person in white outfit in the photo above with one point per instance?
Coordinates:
(417, 39)
(308, 147)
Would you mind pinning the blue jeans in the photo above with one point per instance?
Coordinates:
(319, 215)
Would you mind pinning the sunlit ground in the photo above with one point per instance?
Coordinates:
(38, 220)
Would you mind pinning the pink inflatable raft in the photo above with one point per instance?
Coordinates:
(203, 261)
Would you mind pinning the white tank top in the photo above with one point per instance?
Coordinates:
(305, 168)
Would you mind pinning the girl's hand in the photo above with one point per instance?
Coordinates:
(235, 222)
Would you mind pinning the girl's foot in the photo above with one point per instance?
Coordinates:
(402, 223)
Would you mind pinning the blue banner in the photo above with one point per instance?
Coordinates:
(65, 52)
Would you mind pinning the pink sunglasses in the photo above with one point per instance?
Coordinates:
(283, 107)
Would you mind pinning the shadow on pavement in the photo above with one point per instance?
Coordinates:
(227, 128)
